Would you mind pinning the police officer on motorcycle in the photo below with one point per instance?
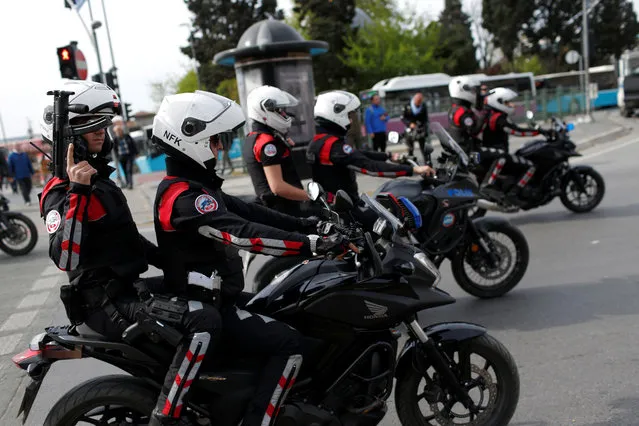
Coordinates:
(497, 130)
(92, 236)
(202, 228)
(334, 163)
(267, 152)
(464, 124)
(415, 118)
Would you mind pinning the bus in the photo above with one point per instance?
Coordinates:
(571, 83)
(396, 92)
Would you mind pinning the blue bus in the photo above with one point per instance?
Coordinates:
(571, 83)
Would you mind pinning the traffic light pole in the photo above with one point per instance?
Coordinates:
(114, 68)
(95, 42)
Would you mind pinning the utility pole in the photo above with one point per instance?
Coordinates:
(114, 69)
(585, 55)
(4, 135)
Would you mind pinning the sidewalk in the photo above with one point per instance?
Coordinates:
(606, 128)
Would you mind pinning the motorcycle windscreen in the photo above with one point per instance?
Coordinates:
(448, 143)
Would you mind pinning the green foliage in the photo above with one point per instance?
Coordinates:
(228, 88)
(218, 26)
(330, 21)
(455, 47)
(188, 83)
(392, 46)
(522, 63)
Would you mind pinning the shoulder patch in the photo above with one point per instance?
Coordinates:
(468, 121)
(270, 150)
(205, 204)
(347, 149)
(53, 221)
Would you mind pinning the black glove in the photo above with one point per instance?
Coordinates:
(334, 243)
(309, 224)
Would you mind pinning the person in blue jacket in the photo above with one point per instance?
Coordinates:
(375, 119)
(21, 169)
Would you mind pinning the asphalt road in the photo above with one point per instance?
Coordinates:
(570, 324)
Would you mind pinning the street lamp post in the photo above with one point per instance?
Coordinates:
(4, 135)
(194, 61)
(95, 25)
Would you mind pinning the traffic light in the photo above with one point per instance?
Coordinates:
(127, 110)
(66, 58)
(111, 80)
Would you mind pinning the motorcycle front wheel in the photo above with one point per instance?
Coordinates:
(21, 237)
(421, 398)
(582, 202)
(475, 274)
(106, 400)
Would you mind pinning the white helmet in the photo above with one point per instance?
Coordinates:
(501, 99)
(335, 107)
(267, 105)
(185, 122)
(465, 88)
(100, 98)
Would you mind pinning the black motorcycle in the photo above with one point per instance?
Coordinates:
(18, 233)
(348, 308)
(580, 188)
(414, 135)
(489, 256)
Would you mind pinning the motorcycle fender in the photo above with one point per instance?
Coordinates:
(573, 174)
(483, 225)
(442, 334)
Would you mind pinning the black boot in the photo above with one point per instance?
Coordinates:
(159, 419)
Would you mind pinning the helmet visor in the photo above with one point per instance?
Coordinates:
(200, 114)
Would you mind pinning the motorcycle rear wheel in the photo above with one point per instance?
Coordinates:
(24, 238)
(498, 392)
(109, 398)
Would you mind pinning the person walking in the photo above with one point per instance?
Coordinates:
(376, 119)
(21, 169)
(127, 151)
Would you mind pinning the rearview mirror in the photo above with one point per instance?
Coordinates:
(314, 190)
(343, 202)
(393, 137)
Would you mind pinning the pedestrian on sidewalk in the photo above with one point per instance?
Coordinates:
(127, 151)
(21, 169)
(376, 119)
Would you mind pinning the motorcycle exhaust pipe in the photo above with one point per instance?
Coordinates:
(490, 206)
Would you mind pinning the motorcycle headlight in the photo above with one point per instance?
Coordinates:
(425, 262)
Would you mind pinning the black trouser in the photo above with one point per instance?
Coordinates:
(498, 161)
(127, 166)
(410, 143)
(260, 335)
(201, 324)
(25, 187)
(379, 141)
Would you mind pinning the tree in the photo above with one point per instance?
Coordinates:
(395, 45)
(188, 83)
(484, 38)
(455, 45)
(615, 28)
(228, 88)
(329, 21)
(161, 88)
(504, 19)
(218, 25)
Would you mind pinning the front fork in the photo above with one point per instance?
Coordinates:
(482, 240)
(441, 365)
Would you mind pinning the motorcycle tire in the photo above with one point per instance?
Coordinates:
(27, 224)
(133, 394)
(601, 190)
(271, 268)
(408, 390)
(521, 265)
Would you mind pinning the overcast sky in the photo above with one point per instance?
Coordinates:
(146, 40)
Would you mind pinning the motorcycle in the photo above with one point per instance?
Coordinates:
(489, 256)
(413, 135)
(580, 188)
(348, 307)
(18, 233)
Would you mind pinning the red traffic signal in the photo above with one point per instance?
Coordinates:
(66, 59)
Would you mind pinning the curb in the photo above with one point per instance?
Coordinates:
(601, 138)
